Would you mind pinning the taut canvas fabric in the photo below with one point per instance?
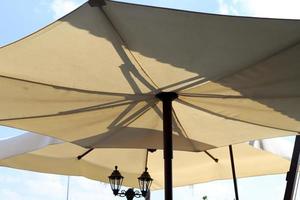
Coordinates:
(91, 77)
(24, 143)
(189, 167)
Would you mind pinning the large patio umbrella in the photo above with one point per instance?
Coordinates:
(101, 73)
(52, 156)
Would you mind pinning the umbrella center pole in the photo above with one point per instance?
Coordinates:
(292, 173)
(167, 98)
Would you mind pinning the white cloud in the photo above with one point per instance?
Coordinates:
(83, 188)
(9, 194)
(36, 186)
(261, 8)
(46, 185)
(227, 9)
(273, 8)
(223, 7)
(62, 7)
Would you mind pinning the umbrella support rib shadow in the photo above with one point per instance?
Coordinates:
(84, 154)
(233, 173)
(292, 173)
(167, 98)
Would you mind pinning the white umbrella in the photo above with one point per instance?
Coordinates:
(118, 68)
(57, 157)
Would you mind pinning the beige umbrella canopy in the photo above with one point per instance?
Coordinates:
(97, 71)
(95, 74)
(189, 167)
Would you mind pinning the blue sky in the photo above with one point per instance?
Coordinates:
(20, 18)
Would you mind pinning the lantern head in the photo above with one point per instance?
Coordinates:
(145, 182)
(115, 180)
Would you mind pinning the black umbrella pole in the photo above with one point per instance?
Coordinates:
(168, 148)
(292, 174)
(233, 173)
(167, 98)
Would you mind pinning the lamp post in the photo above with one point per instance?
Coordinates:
(116, 180)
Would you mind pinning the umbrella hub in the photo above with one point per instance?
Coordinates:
(167, 96)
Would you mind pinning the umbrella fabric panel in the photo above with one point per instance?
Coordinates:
(20, 97)
(177, 47)
(145, 131)
(24, 143)
(193, 168)
(251, 112)
(84, 115)
(219, 130)
(276, 146)
(140, 138)
(269, 89)
(80, 51)
(189, 167)
(274, 76)
(70, 167)
(75, 126)
(198, 127)
(97, 165)
(112, 61)
(111, 127)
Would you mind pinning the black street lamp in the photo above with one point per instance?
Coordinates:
(116, 179)
(145, 182)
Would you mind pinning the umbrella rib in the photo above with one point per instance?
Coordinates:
(70, 88)
(97, 107)
(133, 118)
(196, 80)
(76, 111)
(125, 44)
(231, 118)
(137, 114)
(183, 130)
(186, 135)
(84, 154)
(220, 96)
(211, 156)
(122, 115)
(278, 52)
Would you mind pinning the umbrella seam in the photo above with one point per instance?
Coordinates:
(118, 128)
(271, 55)
(70, 88)
(126, 45)
(62, 113)
(231, 118)
(217, 96)
(183, 130)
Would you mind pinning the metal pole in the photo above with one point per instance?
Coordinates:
(291, 175)
(168, 148)
(233, 173)
(148, 195)
(167, 98)
(68, 187)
